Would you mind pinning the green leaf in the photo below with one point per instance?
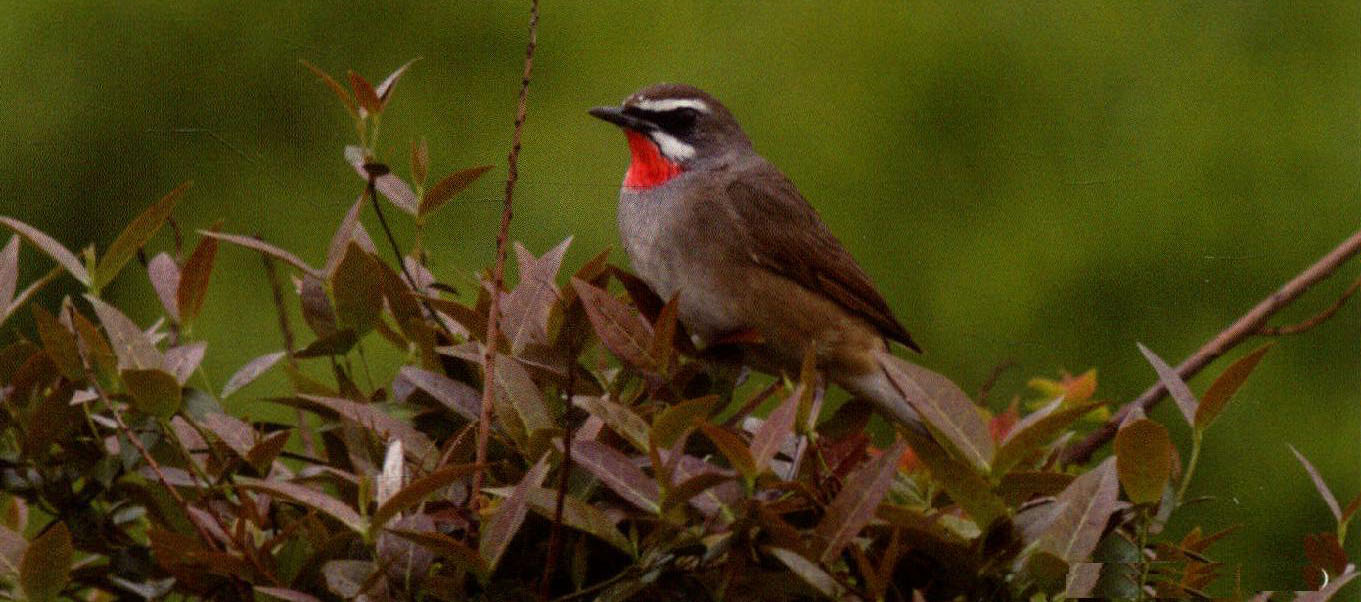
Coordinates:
(855, 505)
(310, 498)
(447, 188)
(1319, 484)
(1035, 431)
(578, 515)
(617, 472)
(153, 391)
(135, 236)
(1176, 387)
(679, 419)
(130, 344)
(623, 421)
(59, 343)
(944, 408)
(357, 290)
(1085, 507)
(1143, 460)
(732, 447)
(1223, 388)
(194, 277)
(417, 490)
(49, 245)
(965, 485)
(506, 521)
(46, 567)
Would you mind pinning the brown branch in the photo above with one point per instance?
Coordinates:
(1319, 318)
(499, 268)
(1247, 325)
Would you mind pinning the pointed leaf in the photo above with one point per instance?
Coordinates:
(1035, 431)
(58, 342)
(165, 279)
(1319, 484)
(9, 272)
(335, 87)
(393, 475)
(154, 391)
(50, 246)
(263, 248)
(316, 306)
(944, 408)
(392, 187)
(416, 444)
(509, 516)
(526, 309)
(515, 389)
(732, 447)
(1176, 387)
(420, 164)
(617, 472)
(308, 497)
(461, 398)
(365, 94)
(1087, 503)
(135, 236)
(623, 421)
(622, 331)
(357, 290)
(1223, 388)
(578, 515)
(449, 187)
(384, 89)
(809, 572)
(777, 428)
(416, 491)
(349, 231)
(854, 506)
(1143, 460)
(448, 548)
(678, 419)
(231, 431)
(22, 298)
(664, 333)
(194, 277)
(183, 360)
(130, 344)
(262, 454)
(46, 567)
(249, 372)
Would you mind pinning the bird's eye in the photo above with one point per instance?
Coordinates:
(676, 121)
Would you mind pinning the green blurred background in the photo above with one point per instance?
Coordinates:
(1043, 183)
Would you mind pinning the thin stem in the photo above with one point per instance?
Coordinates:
(1244, 327)
(499, 269)
(1197, 436)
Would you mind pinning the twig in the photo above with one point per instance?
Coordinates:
(1245, 326)
(996, 373)
(286, 331)
(555, 534)
(1319, 318)
(499, 269)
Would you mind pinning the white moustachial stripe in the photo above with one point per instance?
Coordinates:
(671, 104)
(672, 147)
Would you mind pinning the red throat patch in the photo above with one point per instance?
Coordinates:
(648, 168)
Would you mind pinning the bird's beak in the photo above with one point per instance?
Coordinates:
(617, 116)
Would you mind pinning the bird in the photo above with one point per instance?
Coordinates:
(705, 218)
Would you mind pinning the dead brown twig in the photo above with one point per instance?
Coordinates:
(1251, 323)
(499, 268)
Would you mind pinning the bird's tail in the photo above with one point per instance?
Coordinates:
(897, 385)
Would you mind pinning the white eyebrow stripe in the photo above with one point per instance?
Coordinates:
(672, 147)
(671, 104)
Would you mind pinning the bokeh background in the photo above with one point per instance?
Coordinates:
(1042, 183)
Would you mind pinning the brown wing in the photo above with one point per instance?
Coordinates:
(788, 238)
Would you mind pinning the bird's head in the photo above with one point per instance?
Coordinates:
(672, 128)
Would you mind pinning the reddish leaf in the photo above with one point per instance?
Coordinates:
(1328, 591)
(1176, 387)
(497, 535)
(9, 272)
(364, 93)
(249, 372)
(853, 508)
(944, 408)
(392, 187)
(578, 515)
(663, 345)
(1223, 388)
(448, 188)
(165, 279)
(154, 391)
(526, 309)
(22, 298)
(416, 491)
(1087, 504)
(308, 497)
(1320, 485)
(348, 231)
(370, 417)
(384, 89)
(49, 245)
(263, 248)
(621, 330)
(732, 447)
(519, 397)
(285, 594)
(617, 472)
(809, 572)
(1035, 431)
(183, 360)
(676, 420)
(357, 290)
(623, 421)
(420, 163)
(776, 429)
(316, 306)
(445, 547)
(1143, 460)
(198, 269)
(58, 342)
(135, 236)
(46, 567)
(263, 453)
(1325, 552)
(461, 398)
(335, 87)
(130, 344)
